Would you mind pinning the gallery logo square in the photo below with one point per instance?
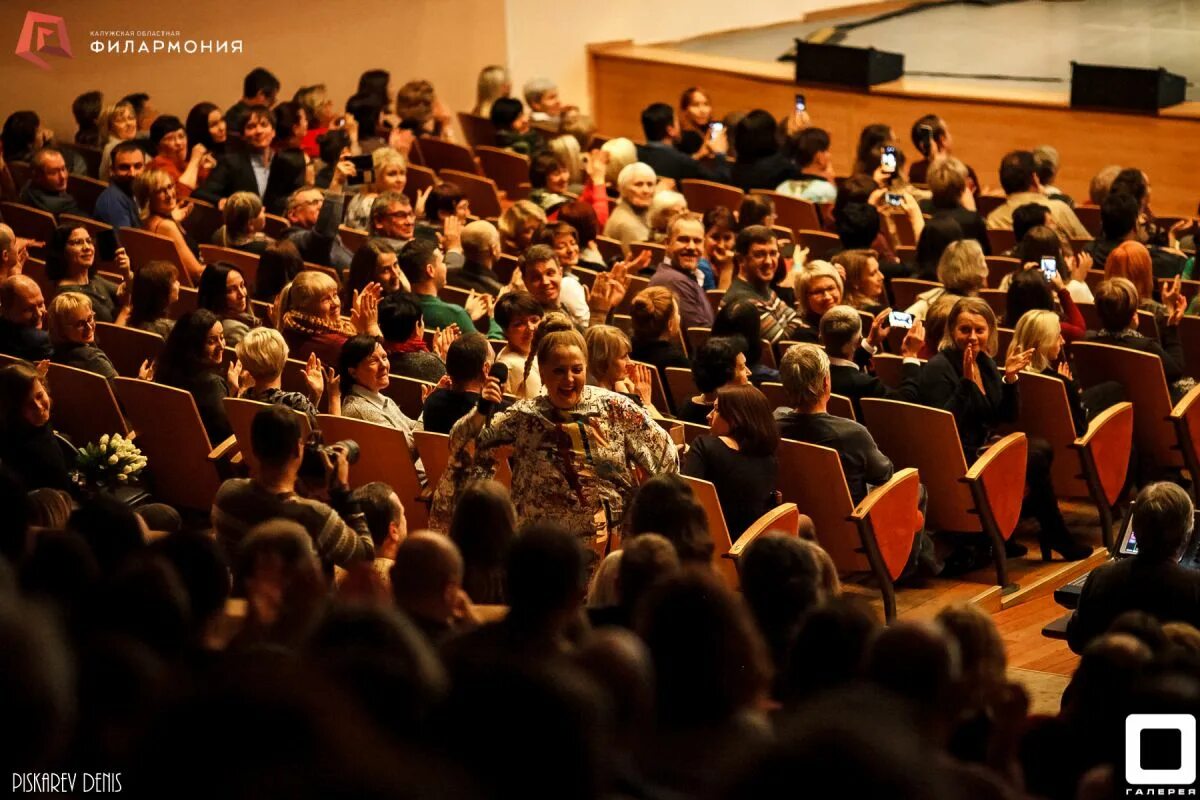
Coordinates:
(1160, 749)
(43, 34)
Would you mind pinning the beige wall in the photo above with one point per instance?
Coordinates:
(302, 42)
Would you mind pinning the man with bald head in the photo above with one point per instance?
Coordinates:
(427, 583)
(13, 252)
(23, 319)
(47, 187)
(481, 251)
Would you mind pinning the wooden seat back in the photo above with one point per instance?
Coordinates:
(241, 415)
(435, 454)
(85, 190)
(481, 192)
(509, 170)
(246, 262)
(406, 393)
(999, 267)
(172, 437)
(840, 406)
(610, 249)
(126, 347)
(792, 212)
(706, 494)
(142, 247)
(820, 245)
(383, 456)
(702, 195)
(1001, 241)
(1189, 338)
(419, 179)
(905, 291)
(1145, 385)
(1045, 414)
(85, 407)
(783, 518)
(477, 130)
(438, 155)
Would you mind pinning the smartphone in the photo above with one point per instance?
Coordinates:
(801, 105)
(894, 199)
(898, 319)
(1049, 267)
(106, 245)
(887, 159)
(715, 129)
(364, 168)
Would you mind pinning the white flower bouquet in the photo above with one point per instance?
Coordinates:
(112, 461)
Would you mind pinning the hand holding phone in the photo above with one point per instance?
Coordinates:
(1049, 267)
(887, 159)
(801, 105)
(899, 319)
(895, 199)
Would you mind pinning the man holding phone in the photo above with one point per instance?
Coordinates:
(661, 127)
(841, 336)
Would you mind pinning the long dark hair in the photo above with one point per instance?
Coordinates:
(362, 269)
(1027, 291)
(181, 357)
(150, 295)
(755, 136)
(278, 264)
(16, 382)
(210, 294)
(196, 128)
(483, 527)
(56, 252)
(751, 423)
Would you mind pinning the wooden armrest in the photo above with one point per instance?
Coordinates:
(890, 516)
(225, 449)
(1100, 420)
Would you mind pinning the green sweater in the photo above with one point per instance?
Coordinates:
(439, 314)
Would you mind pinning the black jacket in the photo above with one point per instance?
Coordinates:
(1170, 350)
(475, 276)
(976, 414)
(765, 173)
(667, 162)
(972, 224)
(31, 344)
(1162, 588)
(856, 384)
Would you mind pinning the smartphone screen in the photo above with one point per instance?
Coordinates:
(1049, 267)
(887, 159)
(801, 105)
(894, 199)
(714, 130)
(898, 319)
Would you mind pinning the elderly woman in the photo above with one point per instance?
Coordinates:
(964, 379)
(310, 318)
(155, 290)
(517, 226)
(864, 280)
(621, 152)
(71, 265)
(169, 141)
(575, 448)
(154, 191)
(223, 291)
(263, 355)
(245, 220)
(363, 370)
(629, 221)
(664, 209)
(962, 271)
(118, 123)
(390, 170)
(73, 335)
(818, 288)
(609, 366)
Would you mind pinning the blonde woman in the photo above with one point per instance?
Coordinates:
(390, 169)
(309, 315)
(629, 221)
(518, 225)
(864, 280)
(118, 123)
(154, 192)
(610, 367)
(962, 271)
(664, 209)
(245, 219)
(818, 288)
(264, 353)
(73, 335)
(494, 83)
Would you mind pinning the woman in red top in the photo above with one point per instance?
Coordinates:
(309, 316)
(168, 139)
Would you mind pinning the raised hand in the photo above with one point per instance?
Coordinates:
(343, 171)
(364, 314)
(1017, 361)
(1173, 299)
(970, 368)
(452, 233)
(477, 305)
(597, 166)
(444, 338)
(146, 370)
(233, 376)
(914, 340)
(314, 377)
(879, 328)
(643, 383)
(422, 199)
(181, 212)
(1064, 369)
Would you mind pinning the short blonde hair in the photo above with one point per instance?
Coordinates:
(386, 157)
(631, 173)
(962, 268)
(305, 291)
(263, 352)
(146, 184)
(605, 344)
(568, 152)
(61, 307)
(518, 214)
(1037, 329)
(241, 208)
(810, 272)
(663, 210)
(110, 115)
(621, 153)
(971, 305)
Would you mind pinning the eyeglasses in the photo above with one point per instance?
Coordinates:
(87, 322)
(403, 214)
(80, 242)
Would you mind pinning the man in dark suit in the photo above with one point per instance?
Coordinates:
(662, 132)
(841, 336)
(245, 170)
(1153, 581)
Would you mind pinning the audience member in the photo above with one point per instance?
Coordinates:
(363, 370)
(313, 221)
(115, 205)
(27, 440)
(542, 96)
(374, 262)
(481, 254)
(427, 584)
(719, 362)
(86, 110)
(629, 221)
(484, 528)
(494, 82)
(223, 291)
(263, 355)
(168, 141)
(1021, 184)
(518, 314)
(810, 150)
(403, 331)
(118, 123)
(662, 130)
(260, 88)
(760, 162)
(1117, 302)
(71, 265)
(961, 270)
(720, 232)
(512, 124)
(73, 334)
(154, 192)
(740, 320)
(245, 220)
(935, 237)
(249, 169)
(424, 268)
(468, 362)
(390, 171)
(572, 297)
(757, 257)
(518, 225)
(656, 329)
(23, 324)
(47, 187)
(310, 316)
(191, 360)
(277, 267)
(841, 336)
(678, 272)
(953, 198)
(818, 288)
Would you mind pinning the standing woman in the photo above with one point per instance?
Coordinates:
(738, 455)
(964, 379)
(191, 360)
(576, 449)
(206, 125)
(71, 265)
(695, 111)
(223, 291)
(154, 191)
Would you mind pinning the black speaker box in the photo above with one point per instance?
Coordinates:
(1125, 88)
(860, 67)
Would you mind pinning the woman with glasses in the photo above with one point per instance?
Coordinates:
(73, 335)
(71, 265)
(154, 192)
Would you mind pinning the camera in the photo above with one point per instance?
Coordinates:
(312, 464)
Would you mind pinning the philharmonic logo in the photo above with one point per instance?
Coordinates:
(43, 34)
